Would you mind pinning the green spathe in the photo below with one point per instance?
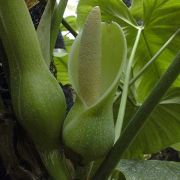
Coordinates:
(94, 70)
(37, 99)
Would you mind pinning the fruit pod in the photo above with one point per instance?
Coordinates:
(94, 70)
(37, 99)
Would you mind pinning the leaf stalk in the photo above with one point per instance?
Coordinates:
(158, 53)
(122, 106)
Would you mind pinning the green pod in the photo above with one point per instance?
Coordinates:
(94, 70)
(37, 99)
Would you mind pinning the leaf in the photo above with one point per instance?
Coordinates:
(161, 129)
(160, 22)
(149, 170)
(176, 146)
(60, 61)
(68, 42)
(113, 10)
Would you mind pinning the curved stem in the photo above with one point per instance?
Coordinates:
(122, 106)
(138, 120)
(69, 28)
(154, 57)
(130, 24)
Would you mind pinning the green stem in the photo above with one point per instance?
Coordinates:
(138, 120)
(130, 24)
(69, 28)
(56, 20)
(119, 93)
(122, 106)
(154, 57)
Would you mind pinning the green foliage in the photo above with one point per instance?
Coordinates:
(157, 132)
(89, 128)
(60, 62)
(149, 170)
(143, 38)
(137, 122)
(159, 22)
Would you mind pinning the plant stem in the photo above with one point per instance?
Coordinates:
(138, 120)
(122, 106)
(69, 28)
(130, 24)
(118, 94)
(154, 58)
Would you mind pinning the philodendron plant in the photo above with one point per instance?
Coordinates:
(94, 71)
(87, 136)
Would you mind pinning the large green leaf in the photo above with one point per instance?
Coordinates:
(160, 22)
(114, 10)
(61, 61)
(161, 129)
(176, 146)
(149, 170)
